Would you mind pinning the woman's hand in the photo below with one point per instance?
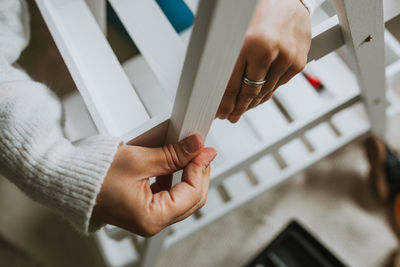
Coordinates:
(275, 49)
(127, 199)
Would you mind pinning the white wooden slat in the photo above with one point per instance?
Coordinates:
(213, 49)
(214, 201)
(295, 129)
(237, 185)
(391, 9)
(347, 121)
(299, 98)
(148, 88)
(394, 100)
(336, 76)
(304, 162)
(266, 170)
(233, 139)
(99, 11)
(293, 152)
(326, 37)
(116, 252)
(321, 136)
(186, 222)
(267, 120)
(111, 100)
(156, 39)
(359, 20)
(215, 42)
(392, 48)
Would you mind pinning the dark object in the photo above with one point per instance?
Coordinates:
(295, 247)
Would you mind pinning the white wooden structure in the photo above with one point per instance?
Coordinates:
(271, 143)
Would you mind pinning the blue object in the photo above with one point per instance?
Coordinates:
(178, 13)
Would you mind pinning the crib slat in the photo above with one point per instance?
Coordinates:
(107, 92)
(156, 39)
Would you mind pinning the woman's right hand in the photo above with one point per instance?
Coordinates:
(128, 200)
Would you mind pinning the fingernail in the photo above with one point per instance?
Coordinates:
(191, 144)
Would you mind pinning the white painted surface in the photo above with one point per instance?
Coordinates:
(156, 39)
(108, 94)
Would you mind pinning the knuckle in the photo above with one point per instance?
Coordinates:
(287, 52)
(230, 94)
(171, 157)
(226, 110)
(249, 95)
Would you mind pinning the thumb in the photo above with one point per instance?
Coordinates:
(173, 157)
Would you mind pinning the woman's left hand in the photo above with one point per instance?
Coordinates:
(275, 49)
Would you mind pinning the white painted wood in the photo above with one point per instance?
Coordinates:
(391, 9)
(108, 94)
(116, 252)
(237, 185)
(336, 76)
(212, 52)
(304, 162)
(346, 121)
(241, 134)
(156, 39)
(295, 129)
(99, 11)
(327, 37)
(214, 200)
(266, 120)
(299, 98)
(360, 19)
(266, 170)
(207, 68)
(147, 86)
(321, 136)
(293, 152)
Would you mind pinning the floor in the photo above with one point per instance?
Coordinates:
(332, 199)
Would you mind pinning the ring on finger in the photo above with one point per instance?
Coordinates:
(253, 83)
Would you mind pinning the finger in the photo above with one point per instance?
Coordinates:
(188, 193)
(170, 158)
(278, 68)
(201, 203)
(256, 70)
(228, 101)
(162, 183)
(296, 68)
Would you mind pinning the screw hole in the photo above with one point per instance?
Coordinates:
(368, 39)
(377, 101)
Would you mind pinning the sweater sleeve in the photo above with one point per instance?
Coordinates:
(34, 153)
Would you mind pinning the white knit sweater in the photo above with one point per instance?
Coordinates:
(34, 153)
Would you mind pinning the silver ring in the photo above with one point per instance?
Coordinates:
(253, 83)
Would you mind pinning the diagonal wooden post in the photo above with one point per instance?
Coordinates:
(217, 37)
(362, 25)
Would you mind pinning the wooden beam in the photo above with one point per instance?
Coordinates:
(107, 92)
(362, 24)
(156, 39)
(216, 40)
